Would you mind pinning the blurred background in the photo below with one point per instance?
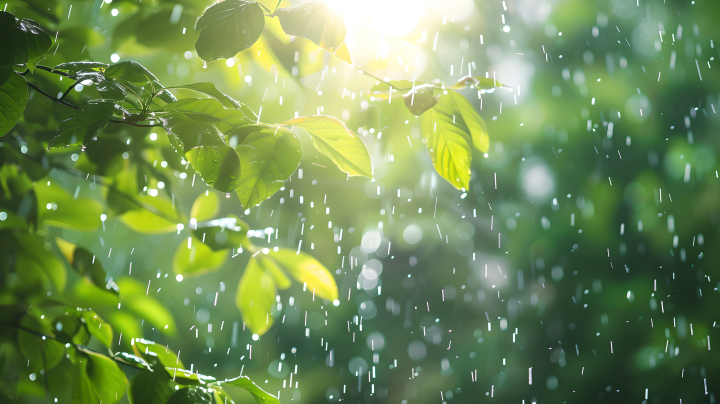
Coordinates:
(578, 266)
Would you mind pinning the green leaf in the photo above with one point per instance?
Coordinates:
(222, 234)
(60, 209)
(198, 259)
(77, 67)
(191, 134)
(477, 81)
(32, 256)
(209, 89)
(219, 166)
(306, 269)
(452, 127)
(228, 27)
(13, 98)
(98, 328)
(162, 218)
(210, 110)
(332, 138)
(205, 207)
(5, 73)
(156, 354)
(33, 347)
(260, 395)
(191, 395)
(315, 21)
(134, 298)
(86, 265)
(420, 99)
(281, 279)
(131, 71)
(22, 40)
(255, 297)
(150, 387)
(187, 378)
(107, 380)
(268, 156)
(85, 124)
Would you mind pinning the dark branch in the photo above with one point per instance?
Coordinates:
(70, 89)
(49, 69)
(140, 125)
(59, 101)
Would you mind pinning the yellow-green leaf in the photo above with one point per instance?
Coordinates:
(98, 328)
(60, 209)
(268, 156)
(332, 138)
(205, 207)
(197, 259)
(150, 222)
(306, 269)
(255, 297)
(153, 353)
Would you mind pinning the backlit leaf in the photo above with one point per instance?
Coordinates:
(205, 207)
(198, 259)
(306, 269)
(255, 297)
(159, 218)
(156, 354)
(420, 99)
(101, 330)
(268, 156)
(131, 71)
(60, 209)
(332, 138)
(315, 21)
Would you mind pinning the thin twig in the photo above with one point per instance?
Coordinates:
(140, 125)
(36, 88)
(70, 88)
(49, 69)
(379, 79)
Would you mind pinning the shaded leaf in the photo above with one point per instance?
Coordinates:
(150, 387)
(85, 124)
(191, 395)
(368, 117)
(477, 81)
(306, 269)
(228, 27)
(420, 99)
(332, 138)
(255, 297)
(13, 98)
(268, 156)
(32, 256)
(33, 347)
(198, 259)
(191, 134)
(260, 395)
(85, 264)
(315, 21)
(219, 166)
(131, 71)
(22, 40)
(205, 207)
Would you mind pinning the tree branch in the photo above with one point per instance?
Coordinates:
(69, 89)
(139, 125)
(59, 101)
(50, 70)
(379, 79)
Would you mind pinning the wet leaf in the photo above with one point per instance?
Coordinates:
(13, 98)
(205, 207)
(332, 138)
(99, 329)
(260, 395)
(477, 81)
(198, 259)
(150, 387)
(268, 156)
(85, 124)
(219, 166)
(22, 40)
(420, 99)
(156, 354)
(228, 27)
(131, 71)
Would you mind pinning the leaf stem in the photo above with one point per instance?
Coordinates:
(69, 89)
(379, 79)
